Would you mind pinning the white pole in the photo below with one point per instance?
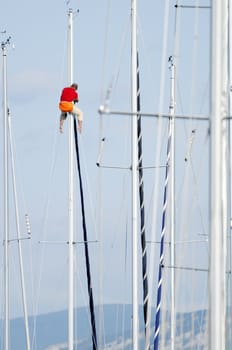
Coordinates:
(135, 327)
(19, 238)
(71, 188)
(218, 111)
(172, 199)
(229, 240)
(6, 202)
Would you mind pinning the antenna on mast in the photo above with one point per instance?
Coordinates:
(70, 8)
(6, 42)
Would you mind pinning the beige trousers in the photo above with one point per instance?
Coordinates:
(77, 112)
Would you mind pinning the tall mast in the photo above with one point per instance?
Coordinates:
(8, 141)
(6, 198)
(229, 240)
(135, 328)
(172, 197)
(26, 326)
(168, 188)
(218, 111)
(71, 188)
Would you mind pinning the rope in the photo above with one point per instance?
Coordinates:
(142, 209)
(161, 261)
(159, 142)
(85, 238)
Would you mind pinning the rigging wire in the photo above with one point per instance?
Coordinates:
(85, 237)
(184, 232)
(115, 76)
(106, 101)
(82, 148)
(44, 230)
(53, 161)
(19, 238)
(105, 46)
(103, 135)
(163, 227)
(21, 263)
(117, 225)
(184, 185)
(54, 154)
(101, 338)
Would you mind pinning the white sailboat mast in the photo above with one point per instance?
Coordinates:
(6, 200)
(217, 266)
(26, 325)
(9, 142)
(172, 197)
(135, 326)
(71, 190)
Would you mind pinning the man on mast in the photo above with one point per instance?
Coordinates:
(68, 99)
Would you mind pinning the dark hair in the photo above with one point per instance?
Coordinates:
(75, 86)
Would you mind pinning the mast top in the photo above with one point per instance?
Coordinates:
(6, 42)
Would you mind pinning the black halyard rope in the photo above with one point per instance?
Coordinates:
(85, 238)
(142, 209)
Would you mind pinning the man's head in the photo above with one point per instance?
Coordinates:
(74, 86)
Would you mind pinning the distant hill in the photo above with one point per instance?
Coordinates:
(52, 330)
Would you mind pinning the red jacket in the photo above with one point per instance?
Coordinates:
(69, 94)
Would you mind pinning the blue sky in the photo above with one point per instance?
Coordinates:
(37, 71)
